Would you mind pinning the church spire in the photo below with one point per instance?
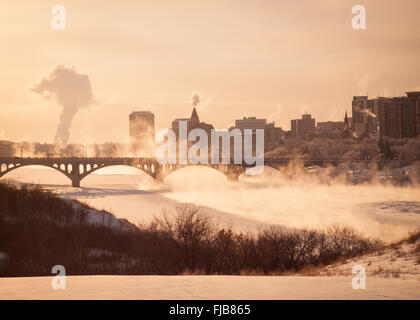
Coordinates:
(346, 122)
(194, 117)
(346, 130)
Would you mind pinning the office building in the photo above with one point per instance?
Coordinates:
(303, 128)
(142, 133)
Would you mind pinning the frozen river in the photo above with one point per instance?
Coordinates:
(382, 211)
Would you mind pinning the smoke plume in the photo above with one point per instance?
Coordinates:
(368, 113)
(365, 111)
(71, 89)
(195, 99)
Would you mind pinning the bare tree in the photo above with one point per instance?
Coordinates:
(191, 228)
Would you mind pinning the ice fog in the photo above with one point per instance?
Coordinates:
(304, 200)
(296, 197)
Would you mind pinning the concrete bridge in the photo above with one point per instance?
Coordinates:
(77, 168)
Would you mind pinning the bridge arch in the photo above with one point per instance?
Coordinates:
(94, 168)
(12, 167)
(230, 172)
(269, 171)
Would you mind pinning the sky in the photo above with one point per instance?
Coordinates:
(271, 59)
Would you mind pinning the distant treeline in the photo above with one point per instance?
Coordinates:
(35, 149)
(406, 150)
(39, 230)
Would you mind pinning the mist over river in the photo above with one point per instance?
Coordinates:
(378, 210)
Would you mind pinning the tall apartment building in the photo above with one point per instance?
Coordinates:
(395, 117)
(413, 114)
(142, 133)
(304, 127)
(358, 104)
(399, 117)
(364, 114)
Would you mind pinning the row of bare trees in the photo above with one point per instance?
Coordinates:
(406, 150)
(198, 246)
(36, 149)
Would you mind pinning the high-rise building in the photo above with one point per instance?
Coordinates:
(399, 117)
(142, 133)
(303, 128)
(364, 116)
(395, 117)
(413, 124)
(358, 104)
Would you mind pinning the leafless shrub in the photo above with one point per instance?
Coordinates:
(191, 229)
(400, 253)
(378, 270)
(413, 236)
(395, 245)
(395, 273)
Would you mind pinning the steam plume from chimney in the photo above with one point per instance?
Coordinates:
(365, 111)
(71, 89)
(195, 99)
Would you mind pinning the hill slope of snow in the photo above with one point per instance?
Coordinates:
(400, 261)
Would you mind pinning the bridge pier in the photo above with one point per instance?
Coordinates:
(232, 178)
(75, 174)
(75, 182)
(233, 172)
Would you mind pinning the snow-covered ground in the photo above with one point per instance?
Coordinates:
(103, 218)
(207, 287)
(399, 261)
(381, 211)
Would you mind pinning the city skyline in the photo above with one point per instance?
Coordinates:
(241, 58)
(363, 110)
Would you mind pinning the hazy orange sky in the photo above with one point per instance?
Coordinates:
(264, 58)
